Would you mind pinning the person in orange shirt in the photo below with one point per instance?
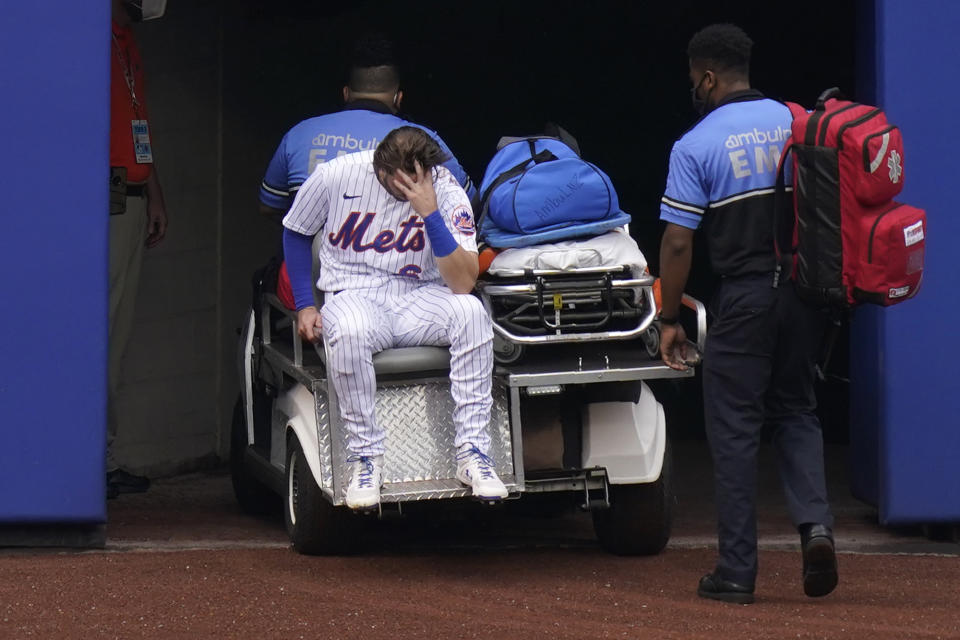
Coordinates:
(138, 216)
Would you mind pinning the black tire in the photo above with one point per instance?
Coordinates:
(651, 341)
(254, 497)
(315, 526)
(506, 352)
(640, 516)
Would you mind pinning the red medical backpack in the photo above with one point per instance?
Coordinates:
(851, 242)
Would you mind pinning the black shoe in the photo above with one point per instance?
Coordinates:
(819, 560)
(714, 587)
(126, 482)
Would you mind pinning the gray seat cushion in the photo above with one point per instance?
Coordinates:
(411, 359)
(405, 359)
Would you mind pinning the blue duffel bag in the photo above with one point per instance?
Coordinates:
(538, 189)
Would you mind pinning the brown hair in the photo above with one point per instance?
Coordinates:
(401, 147)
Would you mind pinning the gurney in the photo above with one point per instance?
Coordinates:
(576, 291)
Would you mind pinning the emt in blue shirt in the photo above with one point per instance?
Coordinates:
(372, 100)
(759, 363)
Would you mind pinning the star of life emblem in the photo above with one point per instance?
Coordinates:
(895, 168)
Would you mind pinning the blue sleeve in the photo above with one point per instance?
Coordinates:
(298, 252)
(275, 189)
(686, 197)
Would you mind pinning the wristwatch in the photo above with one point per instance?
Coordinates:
(668, 321)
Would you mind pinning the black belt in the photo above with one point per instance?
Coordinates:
(136, 190)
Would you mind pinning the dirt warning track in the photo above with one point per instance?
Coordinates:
(520, 593)
(182, 561)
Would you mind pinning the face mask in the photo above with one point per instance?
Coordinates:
(141, 10)
(700, 104)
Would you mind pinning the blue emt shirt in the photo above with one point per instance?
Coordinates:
(722, 175)
(361, 125)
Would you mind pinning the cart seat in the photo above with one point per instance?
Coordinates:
(405, 359)
(411, 359)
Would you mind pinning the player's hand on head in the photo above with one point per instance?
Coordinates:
(417, 189)
(309, 324)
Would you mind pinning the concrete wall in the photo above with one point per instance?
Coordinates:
(167, 407)
(222, 91)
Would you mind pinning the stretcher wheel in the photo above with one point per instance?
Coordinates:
(253, 496)
(651, 341)
(314, 525)
(640, 516)
(506, 352)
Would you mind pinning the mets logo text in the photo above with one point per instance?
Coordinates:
(351, 233)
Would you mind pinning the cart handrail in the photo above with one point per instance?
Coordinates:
(687, 301)
(698, 308)
(273, 301)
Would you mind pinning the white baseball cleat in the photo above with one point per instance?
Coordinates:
(475, 469)
(363, 492)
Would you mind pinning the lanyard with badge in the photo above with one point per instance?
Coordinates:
(141, 132)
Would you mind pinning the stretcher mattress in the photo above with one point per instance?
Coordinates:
(612, 249)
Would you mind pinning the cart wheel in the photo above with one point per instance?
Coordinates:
(315, 526)
(253, 496)
(640, 515)
(506, 352)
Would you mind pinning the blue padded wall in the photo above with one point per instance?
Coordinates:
(54, 127)
(905, 394)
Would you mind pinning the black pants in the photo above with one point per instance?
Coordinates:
(758, 369)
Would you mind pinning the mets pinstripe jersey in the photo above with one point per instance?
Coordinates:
(359, 127)
(722, 173)
(369, 238)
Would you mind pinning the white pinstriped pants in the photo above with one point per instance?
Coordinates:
(357, 324)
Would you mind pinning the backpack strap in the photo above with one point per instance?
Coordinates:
(483, 205)
(780, 192)
(779, 200)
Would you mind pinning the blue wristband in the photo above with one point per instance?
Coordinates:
(440, 237)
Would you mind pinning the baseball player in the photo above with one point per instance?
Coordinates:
(372, 98)
(399, 260)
